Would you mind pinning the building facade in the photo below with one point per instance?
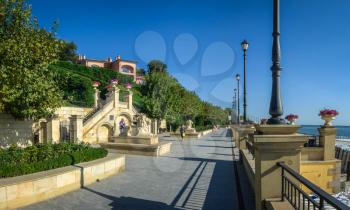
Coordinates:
(126, 67)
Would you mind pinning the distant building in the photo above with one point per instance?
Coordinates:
(126, 67)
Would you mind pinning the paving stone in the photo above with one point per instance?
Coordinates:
(197, 174)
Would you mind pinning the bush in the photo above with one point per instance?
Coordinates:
(16, 161)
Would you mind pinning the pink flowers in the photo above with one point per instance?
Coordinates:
(328, 112)
(108, 87)
(292, 117)
(96, 83)
(128, 86)
(114, 81)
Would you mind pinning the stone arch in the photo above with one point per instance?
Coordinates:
(104, 133)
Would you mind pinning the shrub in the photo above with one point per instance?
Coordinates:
(16, 161)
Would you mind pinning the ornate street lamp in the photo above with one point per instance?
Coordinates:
(245, 46)
(276, 108)
(238, 77)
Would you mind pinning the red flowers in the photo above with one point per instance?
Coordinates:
(291, 117)
(328, 112)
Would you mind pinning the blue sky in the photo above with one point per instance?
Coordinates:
(200, 42)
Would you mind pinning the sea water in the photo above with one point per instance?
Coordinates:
(343, 132)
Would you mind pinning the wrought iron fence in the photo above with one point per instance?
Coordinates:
(298, 198)
(314, 141)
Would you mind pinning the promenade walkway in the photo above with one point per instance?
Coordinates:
(197, 174)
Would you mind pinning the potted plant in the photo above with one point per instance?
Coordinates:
(128, 86)
(292, 118)
(114, 81)
(95, 84)
(328, 115)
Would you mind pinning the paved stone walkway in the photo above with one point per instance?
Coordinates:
(197, 174)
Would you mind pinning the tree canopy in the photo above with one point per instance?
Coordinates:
(156, 66)
(27, 88)
(165, 98)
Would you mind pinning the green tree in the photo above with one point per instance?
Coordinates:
(156, 90)
(157, 66)
(68, 52)
(27, 88)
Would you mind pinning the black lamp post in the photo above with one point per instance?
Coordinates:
(276, 108)
(235, 103)
(238, 77)
(244, 46)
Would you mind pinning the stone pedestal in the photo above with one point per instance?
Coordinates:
(77, 128)
(243, 131)
(327, 141)
(269, 150)
(53, 130)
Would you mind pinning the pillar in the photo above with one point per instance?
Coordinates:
(96, 97)
(243, 133)
(327, 141)
(53, 130)
(116, 96)
(269, 150)
(154, 127)
(130, 100)
(76, 128)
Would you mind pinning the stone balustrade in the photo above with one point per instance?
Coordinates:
(318, 164)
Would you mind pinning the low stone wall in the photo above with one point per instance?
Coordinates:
(149, 140)
(325, 174)
(28, 189)
(312, 153)
(14, 131)
(249, 166)
(161, 148)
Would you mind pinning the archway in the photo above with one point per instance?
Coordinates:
(128, 123)
(104, 133)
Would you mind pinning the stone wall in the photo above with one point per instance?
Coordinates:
(28, 189)
(14, 131)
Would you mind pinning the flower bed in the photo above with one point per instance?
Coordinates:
(16, 161)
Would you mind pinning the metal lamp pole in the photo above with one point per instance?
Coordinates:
(244, 46)
(235, 103)
(238, 104)
(276, 108)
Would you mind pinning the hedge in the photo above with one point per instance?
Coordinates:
(16, 161)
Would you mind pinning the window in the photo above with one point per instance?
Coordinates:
(127, 69)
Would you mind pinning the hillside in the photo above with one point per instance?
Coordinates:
(76, 83)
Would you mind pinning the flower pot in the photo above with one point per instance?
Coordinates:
(327, 119)
(292, 122)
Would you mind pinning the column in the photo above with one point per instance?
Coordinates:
(269, 150)
(76, 128)
(53, 130)
(116, 96)
(242, 137)
(327, 141)
(130, 100)
(96, 97)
